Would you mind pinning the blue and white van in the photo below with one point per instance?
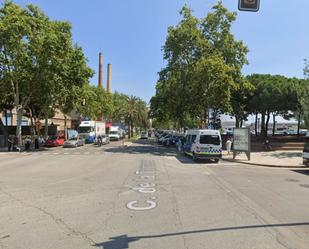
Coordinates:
(203, 144)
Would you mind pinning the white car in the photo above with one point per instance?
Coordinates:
(144, 135)
(74, 142)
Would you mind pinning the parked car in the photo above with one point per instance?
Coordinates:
(292, 132)
(163, 138)
(74, 141)
(306, 154)
(303, 131)
(144, 135)
(203, 144)
(54, 141)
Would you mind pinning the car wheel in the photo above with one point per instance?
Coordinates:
(216, 160)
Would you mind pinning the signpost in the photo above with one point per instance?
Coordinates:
(249, 5)
(241, 141)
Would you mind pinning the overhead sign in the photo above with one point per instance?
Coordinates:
(241, 141)
(249, 5)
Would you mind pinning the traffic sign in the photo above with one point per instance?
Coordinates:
(249, 5)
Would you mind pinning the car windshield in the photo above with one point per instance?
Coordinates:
(85, 129)
(73, 138)
(113, 132)
(210, 139)
(52, 137)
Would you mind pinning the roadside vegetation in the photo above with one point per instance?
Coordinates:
(42, 70)
(203, 78)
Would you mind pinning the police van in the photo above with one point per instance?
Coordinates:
(203, 144)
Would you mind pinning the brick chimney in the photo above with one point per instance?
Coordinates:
(109, 78)
(100, 80)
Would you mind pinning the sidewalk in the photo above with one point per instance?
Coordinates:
(284, 159)
(5, 149)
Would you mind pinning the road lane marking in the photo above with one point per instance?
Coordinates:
(146, 172)
(131, 205)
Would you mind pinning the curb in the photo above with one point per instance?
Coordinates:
(265, 165)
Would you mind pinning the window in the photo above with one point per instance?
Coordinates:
(85, 129)
(193, 138)
(210, 139)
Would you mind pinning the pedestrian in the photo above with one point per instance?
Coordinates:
(10, 143)
(41, 141)
(27, 143)
(36, 143)
(15, 143)
(228, 146)
(267, 145)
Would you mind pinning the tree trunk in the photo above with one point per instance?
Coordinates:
(298, 124)
(46, 127)
(32, 123)
(4, 131)
(19, 110)
(129, 128)
(32, 127)
(6, 117)
(236, 121)
(132, 128)
(205, 118)
(267, 122)
(263, 124)
(65, 127)
(256, 122)
(274, 124)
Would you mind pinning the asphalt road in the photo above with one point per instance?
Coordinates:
(147, 197)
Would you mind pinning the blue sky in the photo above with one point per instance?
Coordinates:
(131, 33)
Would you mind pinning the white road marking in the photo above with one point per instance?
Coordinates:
(145, 190)
(131, 206)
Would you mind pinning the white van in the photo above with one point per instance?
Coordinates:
(203, 144)
(114, 133)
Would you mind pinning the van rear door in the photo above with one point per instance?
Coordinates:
(210, 143)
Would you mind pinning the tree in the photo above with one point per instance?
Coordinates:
(269, 97)
(39, 64)
(131, 109)
(15, 58)
(203, 70)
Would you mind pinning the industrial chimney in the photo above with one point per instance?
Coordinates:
(109, 78)
(100, 83)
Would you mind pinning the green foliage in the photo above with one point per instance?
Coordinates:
(204, 63)
(130, 109)
(41, 70)
(277, 95)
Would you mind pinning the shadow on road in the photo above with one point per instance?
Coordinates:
(153, 148)
(287, 154)
(302, 171)
(144, 147)
(122, 241)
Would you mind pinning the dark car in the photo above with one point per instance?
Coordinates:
(54, 141)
